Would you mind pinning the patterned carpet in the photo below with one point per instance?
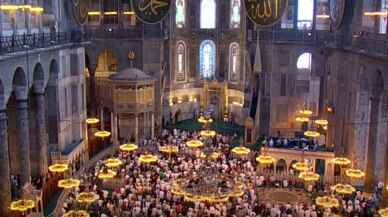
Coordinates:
(283, 196)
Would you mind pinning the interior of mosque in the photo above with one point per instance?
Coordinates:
(188, 108)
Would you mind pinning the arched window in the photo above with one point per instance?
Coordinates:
(180, 61)
(234, 61)
(207, 63)
(235, 13)
(180, 15)
(304, 61)
(305, 14)
(208, 14)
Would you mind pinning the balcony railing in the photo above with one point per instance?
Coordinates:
(14, 43)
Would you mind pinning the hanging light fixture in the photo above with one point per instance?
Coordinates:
(22, 205)
(309, 176)
(312, 134)
(128, 147)
(87, 197)
(302, 119)
(91, 121)
(321, 122)
(76, 213)
(148, 158)
(194, 144)
(343, 189)
(241, 151)
(102, 134)
(113, 162)
(301, 166)
(354, 173)
(68, 183)
(327, 202)
(340, 161)
(58, 168)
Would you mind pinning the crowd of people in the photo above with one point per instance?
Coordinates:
(142, 190)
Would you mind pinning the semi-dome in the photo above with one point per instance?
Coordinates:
(130, 74)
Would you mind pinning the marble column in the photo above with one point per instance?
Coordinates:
(23, 139)
(152, 125)
(5, 186)
(137, 129)
(93, 95)
(370, 165)
(41, 134)
(114, 128)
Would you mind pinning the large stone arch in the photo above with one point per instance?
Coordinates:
(52, 106)
(38, 79)
(20, 83)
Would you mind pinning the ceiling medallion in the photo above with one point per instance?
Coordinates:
(151, 11)
(337, 11)
(265, 12)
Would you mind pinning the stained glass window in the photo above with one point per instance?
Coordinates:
(234, 63)
(208, 14)
(180, 61)
(207, 63)
(235, 13)
(305, 14)
(374, 17)
(180, 13)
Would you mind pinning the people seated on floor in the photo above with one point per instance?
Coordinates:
(145, 190)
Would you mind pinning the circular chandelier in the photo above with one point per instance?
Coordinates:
(321, 122)
(208, 133)
(301, 166)
(194, 144)
(87, 197)
(312, 134)
(69, 183)
(169, 149)
(22, 205)
(341, 161)
(208, 184)
(204, 120)
(343, 189)
(128, 147)
(212, 156)
(302, 119)
(148, 158)
(327, 202)
(354, 173)
(106, 174)
(383, 212)
(309, 176)
(265, 159)
(241, 151)
(92, 121)
(306, 112)
(102, 134)
(113, 162)
(76, 213)
(58, 168)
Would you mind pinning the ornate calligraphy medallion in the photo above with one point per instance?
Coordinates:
(265, 12)
(80, 10)
(337, 11)
(151, 11)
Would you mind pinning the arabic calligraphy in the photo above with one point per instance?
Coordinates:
(265, 12)
(151, 11)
